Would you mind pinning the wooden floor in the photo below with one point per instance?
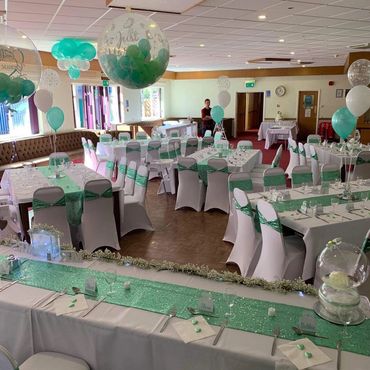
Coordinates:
(182, 236)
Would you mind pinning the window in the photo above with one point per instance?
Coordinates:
(96, 107)
(18, 120)
(151, 103)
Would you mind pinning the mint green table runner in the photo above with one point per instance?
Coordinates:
(203, 166)
(73, 194)
(250, 314)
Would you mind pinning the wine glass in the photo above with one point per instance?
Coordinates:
(346, 316)
(110, 276)
(334, 204)
(229, 301)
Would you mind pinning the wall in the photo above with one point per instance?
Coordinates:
(187, 96)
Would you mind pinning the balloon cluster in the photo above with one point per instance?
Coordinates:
(13, 90)
(217, 114)
(73, 56)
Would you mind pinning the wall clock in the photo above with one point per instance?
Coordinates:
(280, 90)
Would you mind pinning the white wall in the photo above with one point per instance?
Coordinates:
(187, 96)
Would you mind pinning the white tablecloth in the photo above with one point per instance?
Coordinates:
(115, 338)
(268, 124)
(185, 127)
(275, 134)
(329, 155)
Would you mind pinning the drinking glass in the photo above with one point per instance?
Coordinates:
(334, 204)
(346, 316)
(229, 301)
(110, 276)
(364, 199)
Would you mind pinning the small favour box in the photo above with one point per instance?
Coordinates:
(349, 206)
(286, 195)
(4, 268)
(319, 209)
(91, 286)
(205, 302)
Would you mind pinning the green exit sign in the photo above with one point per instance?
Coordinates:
(105, 83)
(250, 83)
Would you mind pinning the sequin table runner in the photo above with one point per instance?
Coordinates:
(247, 314)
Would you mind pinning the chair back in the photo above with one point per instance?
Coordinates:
(176, 144)
(277, 158)
(130, 178)
(152, 153)
(121, 172)
(191, 146)
(245, 144)
(133, 152)
(315, 167)
(222, 144)
(218, 136)
(241, 181)
(91, 145)
(362, 167)
(314, 139)
(105, 138)
(141, 135)
(164, 152)
(294, 156)
(58, 158)
(301, 175)
(7, 361)
(174, 133)
(366, 243)
(124, 136)
(302, 155)
(208, 133)
(207, 141)
(109, 168)
(141, 183)
(330, 173)
(274, 178)
(49, 207)
(87, 157)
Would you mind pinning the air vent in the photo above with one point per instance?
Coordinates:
(359, 46)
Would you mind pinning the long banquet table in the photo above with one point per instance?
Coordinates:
(116, 337)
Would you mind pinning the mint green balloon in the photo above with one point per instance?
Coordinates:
(217, 113)
(55, 118)
(343, 122)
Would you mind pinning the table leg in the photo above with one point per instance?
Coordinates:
(116, 211)
(23, 212)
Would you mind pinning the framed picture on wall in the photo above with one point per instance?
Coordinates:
(339, 93)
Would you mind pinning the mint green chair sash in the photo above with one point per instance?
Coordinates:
(122, 168)
(245, 185)
(40, 204)
(301, 178)
(129, 149)
(360, 160)
(131, 173)
(57, 161)
(330, 175)
(141, 180)
(295, 150)
(140, 137)
(172, 154)
(123, 138)
(109, 165)
(105, 139)
(302, 152)
(275, 224)
(178, 152)
(164, 155)
(211, 169)
(245, 146)
(247, 210)
(174, 134)
(278, 180)
(314, 140)
(153, 147)
(366, 245)
(86, 145)
(193, 167)
(276, 162)
(314, 156)
(257, 224)
(90, 195)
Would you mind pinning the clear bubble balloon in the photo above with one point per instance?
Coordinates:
(133, 51)
(223, 83)
(49, 79)
(359, 72)
(20, 66)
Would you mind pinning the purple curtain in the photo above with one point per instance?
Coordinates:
(34, 119)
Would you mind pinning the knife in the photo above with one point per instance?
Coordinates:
(43, 299)
(53, 298)
(339, 353)
(8, 285)
(220, 331)
(94, 306)
(321, 219)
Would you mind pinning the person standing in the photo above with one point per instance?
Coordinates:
(207, 121)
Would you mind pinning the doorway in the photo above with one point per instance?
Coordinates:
(307, 113)
(249, 112)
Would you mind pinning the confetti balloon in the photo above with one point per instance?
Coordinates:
(359, 72)
(133, 51)
(223, 83)
(49, 79)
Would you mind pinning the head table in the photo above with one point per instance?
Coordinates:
(122, 336)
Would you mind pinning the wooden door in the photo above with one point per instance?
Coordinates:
(307, 113)
(255, 110)
(240, 113)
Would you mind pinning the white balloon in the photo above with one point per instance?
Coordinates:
(358, 100)
(49, 79)
(43, 100)
(224, 98)
(85, 65)
(359, 72)
(62, 65)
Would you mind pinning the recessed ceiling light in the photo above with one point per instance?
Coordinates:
(246, 62)
(152, 25)
(303, 65)
(201, 45)
(281, 40)
(229, 55)
(292, 53)
(299, 61)
(24, 36)
(262, 17)
(259, 67)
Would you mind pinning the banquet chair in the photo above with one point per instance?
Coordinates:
(330, 173)
(294, 156)
(281, 257)
(133, 152)
(208, 133)
(217, 195)
(124, 136)
(191, 190)
(218, 136)
(135, 213)
(151, 156)
(191, 146)
(221, 144)
(302, 155)
(87, 157)
(313, 139)
(98, 226)
(315, 166)
(245, 144)
(165, 163)
(301, 175)
(258, 170)
(174, 133)
(362, 167)
(242, 181)
(130, 178)
(49, 207)
(207, 141)
(308, 153)
(98, 164)
(247, 246)
(42, 361)
(174, 144)
(90, 144)
(274, 178)
(11, 224)
(105, 138)
(141, 135)
(109, 168)
(58, 158)
(121, 172)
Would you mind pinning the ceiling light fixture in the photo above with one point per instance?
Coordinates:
(281, 40)
(292, 53)
(299, 61)
(201, 45)
(246, 62)
(303, 65)
(152, 25)
(229, 55)
(262, 17)
(259, 67)
(24, 36)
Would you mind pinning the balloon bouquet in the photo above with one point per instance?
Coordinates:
(224, 98)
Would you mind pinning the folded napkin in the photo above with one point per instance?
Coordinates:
(68, 304)
(297, 356)
(188, 331)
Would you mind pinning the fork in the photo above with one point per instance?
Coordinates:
(172, 314)
(53, 298)
(276, 333)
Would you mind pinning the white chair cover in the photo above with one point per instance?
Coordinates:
(280, 257)
(313, 139)
(153, 155)
(247, 247)
(98, 165)
(294, 157)
(302, 155)
(330, 173)
(191, 146)
(121, 172)
(104, 138)
(274, 178)
(53, 361)
(133, 152)
(217, 195)
(258, 170)
(135, 213)
(315, 166)
(98, 226)
(141, 135)
(308, 153)
(191, 190)
(218, 136)
(174, 144)
(109, 168)
(242, 181)
(245, 144)
(87, 158)
(124, 136)
(49, 208)
(207, 141)
(7, 361)
(130, 178)
(362, 167)
(301, 175)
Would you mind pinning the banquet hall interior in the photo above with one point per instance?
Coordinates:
(184, 184)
